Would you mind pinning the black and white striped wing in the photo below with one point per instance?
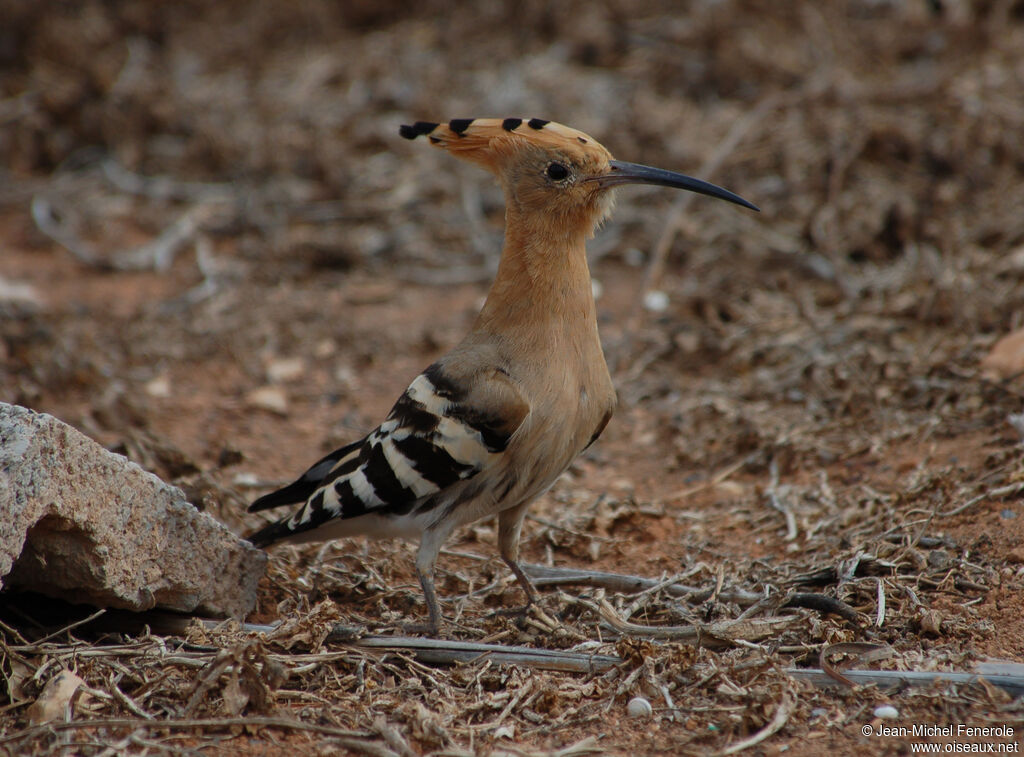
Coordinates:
(439, 433)
(301, 489)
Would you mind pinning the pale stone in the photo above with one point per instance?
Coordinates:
(1006, 358)
(83, 524)
(639, 707)
(272, 398)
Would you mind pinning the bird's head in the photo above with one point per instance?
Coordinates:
(550, 169)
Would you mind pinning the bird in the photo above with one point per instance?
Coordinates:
(488, 427)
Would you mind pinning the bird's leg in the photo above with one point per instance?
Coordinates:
(430, 546)
(524, 581)
(433, 624)
(510, 525)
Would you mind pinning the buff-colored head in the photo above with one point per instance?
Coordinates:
(551, 169)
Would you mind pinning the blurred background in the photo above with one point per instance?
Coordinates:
(205, 210)
(234, 165)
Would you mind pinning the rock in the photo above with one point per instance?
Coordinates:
(1006, 358)
(639, 707)
(18, 296)
(656, 301)
(272, 398)
(56, 699)
(285, 369)
(83, 524)
(886, 712)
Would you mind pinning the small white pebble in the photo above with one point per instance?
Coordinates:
(325, 348)
(285, 369)
(886, 712)
(18, 292)
(656, 301)
(639, 707)
(634, 257)
(596, 288)
(246, 480)
(345, 376)
(270, 398)
(159, 386)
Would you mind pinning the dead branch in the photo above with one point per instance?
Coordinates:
(866, 652)
(445, 652)
(1002, 491)
(824, 605)
(782, 713)
(48, 220)
(187, 724)
(619, 583)
(430, 651)
(778, 502)
(158, 254)
(712, 634)
(1013, 684)
(165, 187)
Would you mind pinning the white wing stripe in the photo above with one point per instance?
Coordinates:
(424, 392)
(403, 469)
(363, 489)
(462, 442)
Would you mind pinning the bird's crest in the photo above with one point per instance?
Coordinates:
(490, 141)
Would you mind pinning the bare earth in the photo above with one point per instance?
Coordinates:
(219, 259)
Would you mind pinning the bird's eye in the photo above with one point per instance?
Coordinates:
(557, 172)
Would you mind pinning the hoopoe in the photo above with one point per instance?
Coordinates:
(489, 427)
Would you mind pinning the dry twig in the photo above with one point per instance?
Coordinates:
(782, 713)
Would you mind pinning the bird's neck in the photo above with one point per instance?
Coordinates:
(543, 282)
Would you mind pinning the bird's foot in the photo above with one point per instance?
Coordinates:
(419, 629)
(428, 628)
(518, 613)
(531, 614)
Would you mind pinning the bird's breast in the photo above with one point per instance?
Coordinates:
(570, 402)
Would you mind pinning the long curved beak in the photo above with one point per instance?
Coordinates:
(634, 173)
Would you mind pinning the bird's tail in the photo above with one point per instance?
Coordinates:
(270, 533)
(303, 488)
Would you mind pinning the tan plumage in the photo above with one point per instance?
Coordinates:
(492, 424)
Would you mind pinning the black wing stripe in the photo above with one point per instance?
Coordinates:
(489, 426)
(412, 415)
(345, 468)
(349, 504)
(600, 427)
(386, 485)
(316, 502)
(433, 462)
(444, 386)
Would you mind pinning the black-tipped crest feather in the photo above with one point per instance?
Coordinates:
(418, 128)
